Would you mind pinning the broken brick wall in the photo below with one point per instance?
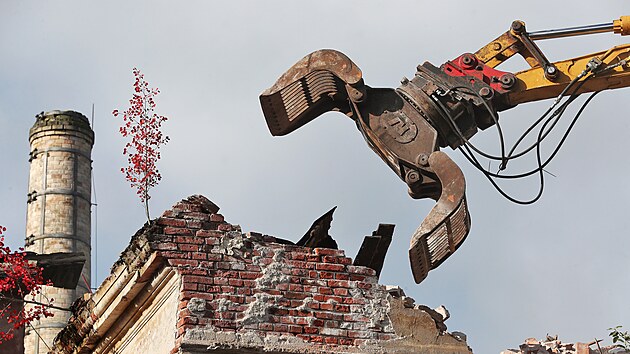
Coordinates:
(260, 293)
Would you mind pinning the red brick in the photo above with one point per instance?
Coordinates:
(329, 252)
(214, 257)
(337, 260)
(298, 256)
(226, 273)
(386, 336)
(279, 312)
(312, 258)
(311, 330)
(188, 247)
(331, 324)
(197, 279)
(249, 283)
(331, 340)
(280, 328)
(359, 334)
(171, 222)
(346, 341)
(335, 299)
(187, 320)
(326, 275)
(217, 218)
(351, 301)
(224, 265)
(183, 262)
(249, 275)
(227, 315)
(295, 295)
(287, 319)
(339, 283)
(173, 254)
(227, 289)
(252, 268)
(326, 307)
(363, 285)
(243, 291)
(211, 241)
(187, 295)
(325, 291)
(317, 339)
(237, 299)
(355, 318)
(304, 337)
(319, 297)
(309, 289)
(301, 321)
(235, 282)
(265, 326)
(208, 233)
(342, 276)
(361, 270)
(198, 255)
(299, 272)
(330, 267)
(342, 308)
(189, 286)
(194, 271)
(317, 323)
(189, 239)
(224, 324)
(169, 230)
(194, 224)
(296, 287)
(164, 246)
(340, 291)
(323, 315)
(295, 329)
(196, 216)
(300, 264)
(225, 227)
(265, 261)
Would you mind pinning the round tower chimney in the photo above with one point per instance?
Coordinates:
(58, 211)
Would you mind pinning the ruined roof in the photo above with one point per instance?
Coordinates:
(246, 292)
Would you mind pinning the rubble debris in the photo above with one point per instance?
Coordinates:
(317, 236)
(374, 248)
(395, 291)
(552, 345)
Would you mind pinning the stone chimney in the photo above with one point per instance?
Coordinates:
(59, 205)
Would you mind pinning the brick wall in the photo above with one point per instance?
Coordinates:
(261, 291)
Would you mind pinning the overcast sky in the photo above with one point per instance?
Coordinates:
(559, 266)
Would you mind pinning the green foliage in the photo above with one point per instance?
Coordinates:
(620, 339)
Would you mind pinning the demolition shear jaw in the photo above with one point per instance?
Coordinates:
(394, 123)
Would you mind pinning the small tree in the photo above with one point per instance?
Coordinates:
(620, 339)
(143, 126)
(19, 278)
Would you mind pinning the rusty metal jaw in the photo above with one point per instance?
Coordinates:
(316, 84)
(448, 223)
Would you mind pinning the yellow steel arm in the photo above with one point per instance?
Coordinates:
(532, 85)
(544, 79)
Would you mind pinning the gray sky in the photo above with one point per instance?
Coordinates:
(558, 266)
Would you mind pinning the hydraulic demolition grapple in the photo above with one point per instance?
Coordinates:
(439, 107)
